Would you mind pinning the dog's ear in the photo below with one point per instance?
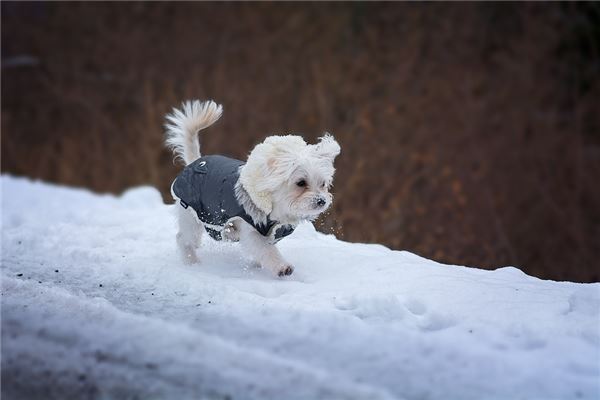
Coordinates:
(252, 177)
(269, 165)
(282, 153)
(327, 147)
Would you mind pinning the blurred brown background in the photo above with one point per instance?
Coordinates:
(469, 132)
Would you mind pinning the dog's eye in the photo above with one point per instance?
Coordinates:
(301, 183)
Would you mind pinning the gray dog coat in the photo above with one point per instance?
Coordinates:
(207, 185)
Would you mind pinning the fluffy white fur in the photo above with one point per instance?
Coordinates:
(284, 179)
(183, 127)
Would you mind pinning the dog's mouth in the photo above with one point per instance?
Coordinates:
(309, 210)
(313, 213)
(309, 218)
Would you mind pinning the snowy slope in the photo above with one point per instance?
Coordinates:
(95, 303)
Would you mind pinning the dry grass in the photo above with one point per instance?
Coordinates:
(469, 132)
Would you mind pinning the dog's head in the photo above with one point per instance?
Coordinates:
(289, 179)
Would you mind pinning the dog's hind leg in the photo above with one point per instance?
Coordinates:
(189, 235)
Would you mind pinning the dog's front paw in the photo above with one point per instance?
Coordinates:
(285, 270)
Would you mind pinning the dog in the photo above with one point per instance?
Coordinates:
(258, 202)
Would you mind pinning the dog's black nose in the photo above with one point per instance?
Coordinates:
(320, 202)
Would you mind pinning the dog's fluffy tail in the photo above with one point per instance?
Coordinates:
(184, 124)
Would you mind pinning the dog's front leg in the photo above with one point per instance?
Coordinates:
(263, 252)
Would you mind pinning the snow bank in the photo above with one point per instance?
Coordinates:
(96, 304)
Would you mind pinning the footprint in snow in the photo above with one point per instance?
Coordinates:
(435, 322)
(389, 308)
(386, 307)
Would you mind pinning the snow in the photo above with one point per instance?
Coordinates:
(96, 303)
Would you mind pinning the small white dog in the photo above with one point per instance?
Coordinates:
(283, 182)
